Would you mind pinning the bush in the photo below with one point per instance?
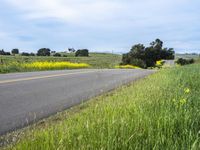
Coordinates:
(182, 61)
(32, 54)
(25, 54)
(2, 52)
(57, 55)
(7, 53)
(82, 52)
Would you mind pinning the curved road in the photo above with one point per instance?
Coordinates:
(28, 97)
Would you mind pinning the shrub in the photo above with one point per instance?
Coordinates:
(2, 52)
(25, 54)
(32, 54)
(82, 52)
(57, 55)
(7, 53)
(182, 61)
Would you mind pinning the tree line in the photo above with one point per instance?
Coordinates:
(47, 52)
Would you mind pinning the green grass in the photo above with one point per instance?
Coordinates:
(197, 60)
(96, 60)
(159, 112)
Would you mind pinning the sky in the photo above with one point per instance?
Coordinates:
(99, 25)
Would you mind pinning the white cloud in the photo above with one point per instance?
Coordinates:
(106, 23)
(111, 13)
(70, 11)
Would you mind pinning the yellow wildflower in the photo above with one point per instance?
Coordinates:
(127, 67)
(187, 90)
(183, 101)
(54, 65)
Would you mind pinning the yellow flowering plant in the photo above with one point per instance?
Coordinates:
(54, 65)
(127, 67)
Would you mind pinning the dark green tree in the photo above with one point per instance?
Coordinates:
(44, 52)
(15, 51)
(2, 52)
(82, 52)
(32, 54)
(57, 55)
(147, 57)
(25, 54)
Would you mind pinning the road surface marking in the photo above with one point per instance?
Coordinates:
(43, 77)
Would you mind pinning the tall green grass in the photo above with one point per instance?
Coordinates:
(159, 112)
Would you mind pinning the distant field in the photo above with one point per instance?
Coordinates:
(187, 56)
(95, 60)
(159, 112)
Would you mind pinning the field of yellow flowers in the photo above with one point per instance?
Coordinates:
(54, 65)
(159, 112)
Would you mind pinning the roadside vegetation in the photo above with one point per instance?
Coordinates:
(158, 112)
(94, 60)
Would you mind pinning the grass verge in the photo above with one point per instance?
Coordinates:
(159, 112)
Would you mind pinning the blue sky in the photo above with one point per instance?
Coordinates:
(99, 25)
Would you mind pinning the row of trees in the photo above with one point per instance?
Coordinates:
(2, 52)
(14, 51)
(145, 57)
(47, 52)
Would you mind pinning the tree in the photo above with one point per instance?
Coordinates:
(168, 54)
(53, 52)
(25, 54)
(136, 56)
(82, 52)
(72, 50)
(32, 54)
(44, 52)
(7, 53)
(57, 55)
(15, 51)
(2, 52)
(147, 57)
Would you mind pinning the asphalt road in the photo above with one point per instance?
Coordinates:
(28, 97)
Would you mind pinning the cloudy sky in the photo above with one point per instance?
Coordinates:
(99, 25)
